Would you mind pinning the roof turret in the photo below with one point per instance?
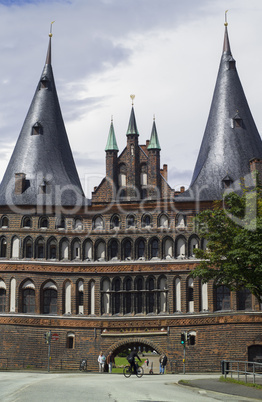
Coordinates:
(111, 144)
(132, 128)
(42, 153)
(231, 138)
(154, 142)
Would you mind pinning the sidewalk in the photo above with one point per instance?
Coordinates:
(226, 388)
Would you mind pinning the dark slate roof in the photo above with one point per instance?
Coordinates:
(231, 138)
(45, 158)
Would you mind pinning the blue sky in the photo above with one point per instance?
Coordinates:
(166, 52)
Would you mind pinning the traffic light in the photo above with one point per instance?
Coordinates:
(47, 337)
(183, 338)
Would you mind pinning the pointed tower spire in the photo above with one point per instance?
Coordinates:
(132, 128)
(154, 142)
(111, 144)
(42, 170)
(231, 138)
(48, 55)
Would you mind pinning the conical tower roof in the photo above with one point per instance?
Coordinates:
(132, 128)
(111, 144)
(42, 153)
(154, 142)
(231, 138)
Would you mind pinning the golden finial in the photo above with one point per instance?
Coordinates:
(226, 24)
(50, 33)
(132, 97)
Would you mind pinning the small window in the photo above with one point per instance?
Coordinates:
(44, 83)
(146, 221)
(26, 222)
(78, 225)
(70, 340)
(191, 338)
(5, 222)
(130, 221)
(37, 129)
(43, 223)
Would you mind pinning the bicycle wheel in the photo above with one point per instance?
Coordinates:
(140, 372)
(127, 371)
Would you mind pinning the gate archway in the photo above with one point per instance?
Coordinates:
(140, 344)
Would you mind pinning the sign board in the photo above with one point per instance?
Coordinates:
(55, 337)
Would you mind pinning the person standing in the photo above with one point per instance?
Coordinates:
(101, 361)
(110, 361)
(162, 364)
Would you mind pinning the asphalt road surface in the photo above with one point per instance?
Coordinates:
(55, 387)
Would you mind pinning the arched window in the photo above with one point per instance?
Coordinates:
(88, 250)
(91, 298)
(193, 244)
(140, 249)
(180, 221)
(43, 222)
(177, 296)
(190, 293)
(52, 249)
(130, 221)
(28, 297)
(127, 249)
(60, 223)
(78, 224)
(162, 295)
(127, 302)
(146, 221)
(167, 248)
(138, 295)
(80, 297)
(204, 296)
(143, 175)
(244, 299)
(2, 296)
(50, 298)
(3, 247)
(70, 340)
(105, 296)
(98, 223)
(222, 296)
(100, 250)
(67, 297)
(12, 295)
(64, 249)
(76, 249)
(163, 221)
(181, 248)
(113, 250)
(4, 222)
(26, 222)
(40, 248)
(115, 222)
(150, 295)
(116, 296)
(122, 175)
(28, 248)
(15, 247)
(154, 249)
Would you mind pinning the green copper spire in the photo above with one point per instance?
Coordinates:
(111, 144)
(154, 142)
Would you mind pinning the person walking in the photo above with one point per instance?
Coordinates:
(101, 361)
(110, 361)
(162, 364)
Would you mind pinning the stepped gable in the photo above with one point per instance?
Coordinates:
(231, 138)
(42, 170)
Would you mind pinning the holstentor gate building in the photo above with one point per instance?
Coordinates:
(114, 271)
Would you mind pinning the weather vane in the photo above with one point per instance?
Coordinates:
(50, 34)
(132, 97)
(226, 24)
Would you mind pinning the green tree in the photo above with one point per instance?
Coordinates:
(233, 230)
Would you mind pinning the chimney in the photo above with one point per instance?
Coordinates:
(164, 172)
(19, 183)
(147, 143)
(256, 166)
(182, 189)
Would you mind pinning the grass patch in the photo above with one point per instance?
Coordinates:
(184, 382)
(233, 381)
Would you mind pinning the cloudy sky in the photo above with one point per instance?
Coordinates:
(166, 52)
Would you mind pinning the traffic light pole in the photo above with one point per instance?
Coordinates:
(49, 352)
(184, 360)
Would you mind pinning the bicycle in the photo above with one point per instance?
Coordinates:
(128, 371)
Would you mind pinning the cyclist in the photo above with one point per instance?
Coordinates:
(131, 360)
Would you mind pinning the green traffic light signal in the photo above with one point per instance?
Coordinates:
(183, 338)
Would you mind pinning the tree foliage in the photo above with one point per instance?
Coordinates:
(233, 230)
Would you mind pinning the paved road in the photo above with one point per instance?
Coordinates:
(55, 387)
